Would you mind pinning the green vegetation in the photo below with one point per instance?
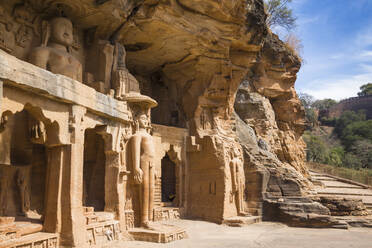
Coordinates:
(323, 105)
(310, 112)
(365, 90)
(354, 134)
(279, 14)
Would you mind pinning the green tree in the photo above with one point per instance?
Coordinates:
(356, 131)
(336, 156)
(310, 114)
(279, 14)
(363, 150)
(352, 161)
(324, 105)
(365, 90)
(316, 149)
(347, 118)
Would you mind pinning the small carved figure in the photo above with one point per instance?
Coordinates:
(143, 152)
(23, 185)
(123, 81)
(37, 131)
(238, 180)
(54, 54)
(23, 36)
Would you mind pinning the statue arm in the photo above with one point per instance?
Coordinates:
(136, 158)
(39, 57)
(80, 74)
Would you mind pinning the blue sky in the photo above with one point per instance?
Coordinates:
(337, 40)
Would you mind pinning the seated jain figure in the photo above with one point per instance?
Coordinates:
(54, 54)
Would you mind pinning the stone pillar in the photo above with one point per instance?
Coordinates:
(1, 97)
(73, 231)
(114, 187)
(53, 204)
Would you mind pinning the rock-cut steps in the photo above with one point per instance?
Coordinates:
(328, 185)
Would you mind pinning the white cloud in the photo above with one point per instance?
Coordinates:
(366, 54)
(337, 88)
(304, 20)
(338, 56)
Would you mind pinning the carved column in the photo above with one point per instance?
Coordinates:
(53, 204)
(73, 232)
(114, 188)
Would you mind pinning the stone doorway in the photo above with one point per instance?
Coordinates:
(94, 171)
(168, 180)
(23, 170)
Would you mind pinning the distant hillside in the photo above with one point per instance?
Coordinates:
(354, 104)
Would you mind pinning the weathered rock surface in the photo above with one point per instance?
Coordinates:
(301, 213)
(343, 206)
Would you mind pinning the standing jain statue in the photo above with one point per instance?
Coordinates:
(143, 152)
(54, 53)
(238, 180)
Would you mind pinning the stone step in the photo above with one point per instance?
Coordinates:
(343, 187)
(240, 221)
(161, 233)
(344, 194)
(326, 179)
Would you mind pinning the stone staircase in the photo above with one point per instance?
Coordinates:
(328, 185)
(157, 193)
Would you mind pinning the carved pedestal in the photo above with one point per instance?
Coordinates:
(166, 213)
(162, 234)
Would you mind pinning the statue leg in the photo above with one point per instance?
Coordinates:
(145, 195)
(240, 194)
(151, 190)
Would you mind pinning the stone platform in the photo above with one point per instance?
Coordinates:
(40, 239)
(162, 233)
(239, 221)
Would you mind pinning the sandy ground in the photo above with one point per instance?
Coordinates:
(262, 235)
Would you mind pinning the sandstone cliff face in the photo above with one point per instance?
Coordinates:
(269, 110)
(268, 103)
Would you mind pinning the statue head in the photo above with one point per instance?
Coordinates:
(143, 120)
(61, 31)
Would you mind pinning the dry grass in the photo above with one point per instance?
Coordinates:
(362, 176)
(294, 44)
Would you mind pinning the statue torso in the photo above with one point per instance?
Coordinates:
(63, 63)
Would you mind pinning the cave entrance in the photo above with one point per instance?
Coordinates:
(94, 171)
(23, 170)
(168, 180)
